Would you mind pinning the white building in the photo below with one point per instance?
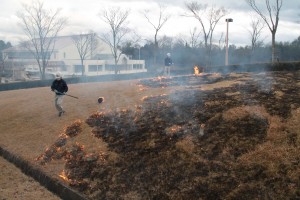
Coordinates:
(65, 58)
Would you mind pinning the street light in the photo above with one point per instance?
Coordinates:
(226, 57)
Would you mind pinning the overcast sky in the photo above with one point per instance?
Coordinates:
(83, 16)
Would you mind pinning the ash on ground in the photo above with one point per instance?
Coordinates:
(233, 142)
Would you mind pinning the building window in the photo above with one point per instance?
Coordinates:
(63, 68)
(110, 67)
(77, 68)
(106, 56)
(95, 68)
(65, 55)
(137, 66)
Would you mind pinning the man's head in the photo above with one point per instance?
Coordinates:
(169, 54)
(58, 76)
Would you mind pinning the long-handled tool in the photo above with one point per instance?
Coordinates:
(71, 96)
(67, 95)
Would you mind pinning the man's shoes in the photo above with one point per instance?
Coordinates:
(61, 113)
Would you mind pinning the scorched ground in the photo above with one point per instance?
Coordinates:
(233, 136)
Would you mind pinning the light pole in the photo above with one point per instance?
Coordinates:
(226, 57)
(139, 53)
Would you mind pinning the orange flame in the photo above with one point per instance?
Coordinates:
(196, 70)
(173, 129)
(144, 97)
(64, 176)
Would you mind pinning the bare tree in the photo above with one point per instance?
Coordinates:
(131, 43)
(166, 42)
(208, 17)
(194, 38)
(221, 41)
(86, 44)
(116, 18)
(3, 56)
(157, 24)
(271, 18)
(41, 27)
(2, 64)
(257, 26)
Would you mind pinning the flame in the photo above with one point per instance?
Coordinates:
(64, 176)
(196, 70)
(159, 78)
(173, 129)
(141, 88)
(144, 97)
(81, 146)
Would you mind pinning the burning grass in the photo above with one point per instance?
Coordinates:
(240, 141)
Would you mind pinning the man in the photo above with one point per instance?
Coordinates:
(168, 64)
(60, 87)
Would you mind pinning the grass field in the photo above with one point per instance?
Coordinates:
(250, 146)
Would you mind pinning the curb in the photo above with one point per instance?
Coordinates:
(49, 183)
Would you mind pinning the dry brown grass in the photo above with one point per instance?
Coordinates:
(29, 123)
(186, 144)
(29, 117)
(277, 148)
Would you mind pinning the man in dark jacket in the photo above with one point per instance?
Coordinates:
(168, 64)
(60, 87)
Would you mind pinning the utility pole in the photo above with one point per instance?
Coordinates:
(226, 56)
(139, 53)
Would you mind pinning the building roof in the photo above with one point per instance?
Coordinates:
(60, 42)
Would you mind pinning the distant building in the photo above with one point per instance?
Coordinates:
(65, 58)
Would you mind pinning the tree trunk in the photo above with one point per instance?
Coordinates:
(273, 48)
(43, 70)
(116, 66)
(82, 68)
(207, 56)
(155, 51)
